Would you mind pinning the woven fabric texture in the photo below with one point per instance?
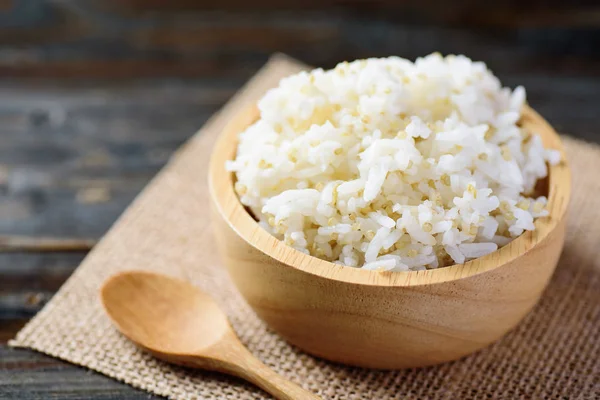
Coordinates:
(553, 354)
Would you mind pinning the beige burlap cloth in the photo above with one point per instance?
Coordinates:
(553, 354)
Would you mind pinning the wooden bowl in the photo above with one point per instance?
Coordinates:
(391, 319)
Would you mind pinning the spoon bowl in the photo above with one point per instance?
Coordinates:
(180, 324)
(165, 325)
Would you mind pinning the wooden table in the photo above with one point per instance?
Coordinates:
(95, 97)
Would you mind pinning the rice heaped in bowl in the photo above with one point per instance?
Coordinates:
(393, 165)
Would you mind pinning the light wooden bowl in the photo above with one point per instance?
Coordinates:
(391, 319)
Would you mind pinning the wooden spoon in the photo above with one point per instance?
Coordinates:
(180, 324)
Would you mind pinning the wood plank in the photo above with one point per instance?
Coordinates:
(16, 243)
(462, 12)
(25, 374)
(72, 158)
(27, 282)
(131, 39)
(34, 272)
(9, 326)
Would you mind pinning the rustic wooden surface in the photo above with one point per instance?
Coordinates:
(96, 95)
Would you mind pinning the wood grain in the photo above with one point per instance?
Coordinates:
(129, 39)
(180, 324)
(41, 244)
(386, 320)
(66, 125)
(25, 374)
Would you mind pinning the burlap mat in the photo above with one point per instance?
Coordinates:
(552, 354)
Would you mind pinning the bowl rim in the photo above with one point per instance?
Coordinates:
(227, 203)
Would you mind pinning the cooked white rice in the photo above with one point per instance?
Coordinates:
(386, 164)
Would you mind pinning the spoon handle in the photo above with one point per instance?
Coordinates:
(253, 370)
